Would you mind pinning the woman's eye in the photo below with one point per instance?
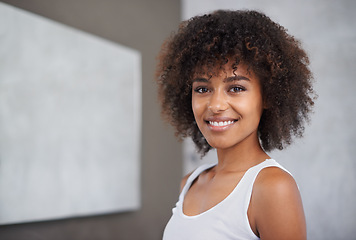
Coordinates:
(201, 90)
(236, 89)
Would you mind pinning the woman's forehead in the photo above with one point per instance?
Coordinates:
(227, 69)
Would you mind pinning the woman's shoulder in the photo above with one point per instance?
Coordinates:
(276, 201)
(184, 181)
(195, 173)
(274, 177)
(274, 183)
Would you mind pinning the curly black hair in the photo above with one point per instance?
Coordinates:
(248, 37)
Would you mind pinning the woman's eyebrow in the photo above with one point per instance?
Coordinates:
(237, 77)
(228, 79)
(200, 80)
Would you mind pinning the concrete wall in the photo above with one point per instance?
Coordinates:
(323, 162)
(142, 25)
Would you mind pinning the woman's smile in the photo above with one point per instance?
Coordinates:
(220, 124)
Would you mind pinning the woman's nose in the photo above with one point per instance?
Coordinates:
(218, 102)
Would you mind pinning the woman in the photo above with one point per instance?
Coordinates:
(237, 82)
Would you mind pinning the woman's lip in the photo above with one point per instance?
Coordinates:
(219, 125)
(219, 119)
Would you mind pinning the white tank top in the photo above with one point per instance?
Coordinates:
(226, 220)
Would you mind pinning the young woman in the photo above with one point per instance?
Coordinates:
(237, 82)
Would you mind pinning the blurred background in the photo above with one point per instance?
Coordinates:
(322, 162)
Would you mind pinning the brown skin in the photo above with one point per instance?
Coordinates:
(275, 210)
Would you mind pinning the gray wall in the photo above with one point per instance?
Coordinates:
(323, 162)
(142, 25)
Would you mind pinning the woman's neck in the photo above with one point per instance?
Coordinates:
(241, 156)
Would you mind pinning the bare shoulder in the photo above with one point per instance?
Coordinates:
(184, 181)
(276, 206)
(274, 180)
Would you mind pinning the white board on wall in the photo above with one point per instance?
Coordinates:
(70, 121)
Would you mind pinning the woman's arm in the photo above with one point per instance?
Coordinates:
(276, 210)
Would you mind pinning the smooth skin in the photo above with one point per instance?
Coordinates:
(227, 109)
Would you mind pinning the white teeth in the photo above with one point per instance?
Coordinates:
(220, 124)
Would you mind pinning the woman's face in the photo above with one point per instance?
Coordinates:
(228, 107)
